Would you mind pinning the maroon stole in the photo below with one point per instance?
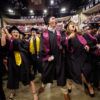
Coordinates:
(46, 43)
(81, 39)
(11, 44)
(93, 38)
(66, 41)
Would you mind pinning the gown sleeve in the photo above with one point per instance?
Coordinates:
(98, 38)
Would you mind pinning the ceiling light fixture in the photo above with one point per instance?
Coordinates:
(45, 11)
(52, 2)
(10, 11)
(31, 12)
(63, 10)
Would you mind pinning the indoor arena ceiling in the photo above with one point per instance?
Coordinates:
(39, 7)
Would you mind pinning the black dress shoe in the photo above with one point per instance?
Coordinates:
(66, 97)
(92, 95)
(88, 91)
(11, 97)
(41, 90)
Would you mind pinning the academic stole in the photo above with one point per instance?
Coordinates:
(81, 39)
(18, 58)
(17, 54)
(93, 38)
(32, 48)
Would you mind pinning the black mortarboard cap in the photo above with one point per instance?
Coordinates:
(15, 28)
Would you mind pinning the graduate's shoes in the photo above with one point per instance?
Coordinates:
(41, 90)
(89, 89)
(91, 92)
(66, 97)
(12, 95)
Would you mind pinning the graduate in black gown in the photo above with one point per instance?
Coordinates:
(93, 41)
(2, 95)
(34, 49)
(97, 82)
(51, 53)
(18, 64)
(66, 46)
(79, 65)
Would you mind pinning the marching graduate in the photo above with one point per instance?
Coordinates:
(93, 39)
(79, 65)
(34, 50)
(2, 95)
(18, 64)
(51, 53)
(65, 42)
(97, 83)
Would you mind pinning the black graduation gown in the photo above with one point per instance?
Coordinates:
(17, 73)
(54, 69)
(95, 59)
(98, 41)
(2, 95)
(66, 53)
(31, 71)
(78, 61)
(98, 38)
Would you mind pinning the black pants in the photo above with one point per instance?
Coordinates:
(2, 95)
(37, 64)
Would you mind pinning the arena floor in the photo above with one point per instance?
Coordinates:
(52, 93)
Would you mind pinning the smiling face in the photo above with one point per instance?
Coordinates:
(52, 22)
(15, 34)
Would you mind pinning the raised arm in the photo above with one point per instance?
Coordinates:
(3, 38)
(7, 33)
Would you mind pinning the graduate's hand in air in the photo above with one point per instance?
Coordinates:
(3, 38)
(87, 48)
(7, 33)
(3, 33)
(51, 58)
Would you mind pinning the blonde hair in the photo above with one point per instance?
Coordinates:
(77, 30)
